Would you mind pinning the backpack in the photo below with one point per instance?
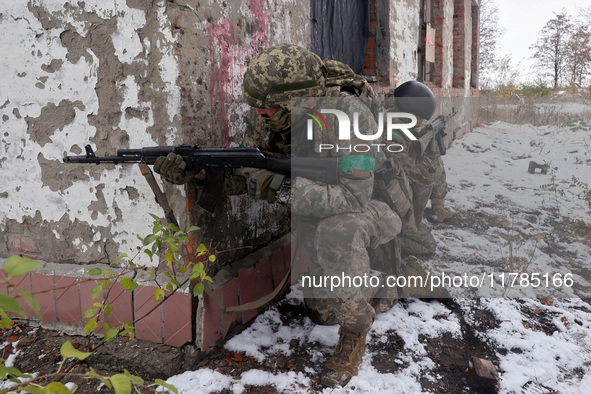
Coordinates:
(341, 78)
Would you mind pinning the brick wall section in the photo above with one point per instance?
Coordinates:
(369, 58)
(475, 45)
(459, 47)
(437, 18)
(63, 299)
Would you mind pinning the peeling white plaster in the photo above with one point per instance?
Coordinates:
(126, 41)
(404, 26)
(447, 51)
(168, 66)
(130, 90)
(26, 88)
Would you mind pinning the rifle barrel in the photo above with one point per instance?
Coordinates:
(101, 159)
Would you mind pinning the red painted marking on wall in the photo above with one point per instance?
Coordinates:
(223, 48)
(228, 61)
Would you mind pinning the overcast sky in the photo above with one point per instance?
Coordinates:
(523, 20)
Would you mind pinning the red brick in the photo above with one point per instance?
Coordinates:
(150, 326)
(287, 255)
(264, 277)
(3, 289)
(230, 294)
(122, 305)
(248, 290)
(177, 320)
(43, 286)
(277, 267)
(22, 283)
(67, 298)
(86, 302)
(211, 325)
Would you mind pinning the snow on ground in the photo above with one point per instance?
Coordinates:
(506, 221)
(487, 174)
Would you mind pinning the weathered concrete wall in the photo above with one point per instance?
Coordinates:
(396, 41)
(447, 44)
(468, 46)
(382, 41)
(99, 72)
(405, 33)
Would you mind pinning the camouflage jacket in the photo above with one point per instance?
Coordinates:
(355, 187)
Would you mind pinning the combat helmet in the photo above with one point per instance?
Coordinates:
(416, 98)
(280, 73)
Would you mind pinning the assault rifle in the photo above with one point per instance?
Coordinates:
(435, 130)
(217, 161)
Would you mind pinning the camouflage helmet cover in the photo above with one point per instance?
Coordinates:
(280, 73)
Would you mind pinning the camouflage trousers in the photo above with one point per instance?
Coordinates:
(440, 183)
(432, 186)
(427, 181)
(338, 247)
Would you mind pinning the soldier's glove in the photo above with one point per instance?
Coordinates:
(173, 169)
(262, 184)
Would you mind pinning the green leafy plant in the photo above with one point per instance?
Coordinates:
(16, 266)
(120, 383)
(180, 267)
(177, 258)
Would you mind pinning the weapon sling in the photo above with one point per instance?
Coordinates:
(264, 300)
(160, 195)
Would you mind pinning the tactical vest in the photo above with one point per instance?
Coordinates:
(391, 185)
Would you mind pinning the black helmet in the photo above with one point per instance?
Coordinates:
(416, 98)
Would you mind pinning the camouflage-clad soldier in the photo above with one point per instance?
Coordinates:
(439, 213)
(427, 171)
(337, 224)
(413, 181)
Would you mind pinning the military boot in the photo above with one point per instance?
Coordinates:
(417, 242)
(344, 364)
(439, 213)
